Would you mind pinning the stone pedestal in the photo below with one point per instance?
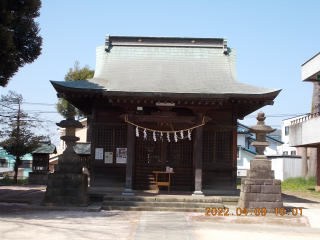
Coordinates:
(38, 178)
(67, 186)
(260, 189)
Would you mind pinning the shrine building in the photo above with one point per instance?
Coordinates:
(156, 102)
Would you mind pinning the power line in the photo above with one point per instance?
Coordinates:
(45, 104)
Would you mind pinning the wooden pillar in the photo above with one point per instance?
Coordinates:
(318, 168)
(93, 141)
(234, 159)
(130, 160)
(198, 160)
(89, 128)
(234, 145)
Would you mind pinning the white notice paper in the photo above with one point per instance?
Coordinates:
(108, 157)
(99, 154)
(121, 155)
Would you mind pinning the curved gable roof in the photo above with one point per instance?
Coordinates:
(166, 66)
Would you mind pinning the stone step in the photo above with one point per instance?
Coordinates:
(168, 209)
(189, 199)
(230, 200)
(163, 204)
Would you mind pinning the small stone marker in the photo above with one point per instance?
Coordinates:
(260, 189)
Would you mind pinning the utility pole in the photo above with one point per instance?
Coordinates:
(16, 166)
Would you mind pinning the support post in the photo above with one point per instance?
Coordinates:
(92, 139)
(304, 162)
(318, 168)
(198, 161)
(130, 159)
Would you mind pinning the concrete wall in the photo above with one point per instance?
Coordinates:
(241, 139)
(285, 166)
(305, 133)
(311, 68)
(272, 149)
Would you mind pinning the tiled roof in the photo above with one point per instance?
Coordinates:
(277, 140)
(139, 68)
(46, 148)
(248, 150)
(82, 148)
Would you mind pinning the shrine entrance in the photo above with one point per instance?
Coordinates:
(153, 155)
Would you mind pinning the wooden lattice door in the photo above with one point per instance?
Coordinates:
(153, 155)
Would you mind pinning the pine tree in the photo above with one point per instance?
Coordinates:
(75, 74)
(20, 42)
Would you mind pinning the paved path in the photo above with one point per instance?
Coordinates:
(31, 224)
(163, 225)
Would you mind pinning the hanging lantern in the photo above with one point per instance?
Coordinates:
(175, 137)
(145, 134)
(137, 132)
(189, 134)
(168, 137)
(181, 133)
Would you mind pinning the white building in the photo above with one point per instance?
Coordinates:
(285, 148)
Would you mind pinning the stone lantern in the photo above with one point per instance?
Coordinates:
(68, 186)
(260, 189)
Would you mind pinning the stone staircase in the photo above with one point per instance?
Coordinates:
(161, 203)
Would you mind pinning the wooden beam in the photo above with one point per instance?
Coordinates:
(172, 119)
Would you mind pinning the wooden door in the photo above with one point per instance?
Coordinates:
(153, 155)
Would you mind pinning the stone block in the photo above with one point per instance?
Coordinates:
(260, 205)
(67, 168)
(73, 192)
(249, 196)
(245, 188)
(255, 188)
(271, 189)
(67, 183)
(251, 181)
(70, 176)
(260, 174)
(268, 182)
(73, 159)
(39, 178)
(276, 182)
(261, 197)
(260, 165)
(243, 204)
(278, 197)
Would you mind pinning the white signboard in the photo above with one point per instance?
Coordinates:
(99, 154)
(121, 155)
(108, 157)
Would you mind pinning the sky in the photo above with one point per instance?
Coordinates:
(272, 39)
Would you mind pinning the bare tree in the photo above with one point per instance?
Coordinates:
(18, 132)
